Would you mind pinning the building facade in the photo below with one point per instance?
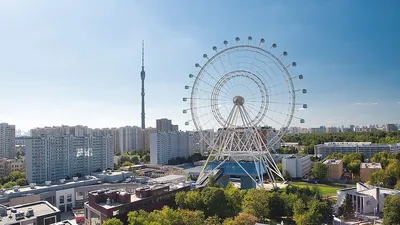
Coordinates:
(335, 168)
(54, 158)
(297, 165)
(367, 169)
(7, 141)
(165, 125)
(130, 138)
(367, 148)
(146, 134)
(367, 199)
(165, 146)
(8, 166)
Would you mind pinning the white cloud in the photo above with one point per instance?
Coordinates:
(366, 103)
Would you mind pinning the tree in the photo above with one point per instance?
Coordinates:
(113, 221)
(319, 171)
(21, 182)
(192, 217)
(286, 175)
(10, 184)
(242, 219)
(146, 158)
(235, 198)
(391, 210)
(124, 158)
(397, 187)
(354, 167)
(212, 220)
(347, 209)
(215, 202)
(135, 159)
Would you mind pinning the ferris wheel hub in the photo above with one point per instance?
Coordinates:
(238, 100)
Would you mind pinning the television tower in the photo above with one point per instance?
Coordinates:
(143, 76)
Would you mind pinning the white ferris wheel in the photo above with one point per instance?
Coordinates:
(246, 94)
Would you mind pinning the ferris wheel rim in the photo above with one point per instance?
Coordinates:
(245, 47)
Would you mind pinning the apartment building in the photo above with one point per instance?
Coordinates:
(7, 141)
(335, 168)
(165, 125)
(165, 146)
(54, 158)
(367, 148)
(8, 166)
(146, 134)
(297, 165)
(367, 169)
(130, 138)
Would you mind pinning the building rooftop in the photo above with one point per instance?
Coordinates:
(332, 161)
(39, 209)
(169, 179)
(371, 165)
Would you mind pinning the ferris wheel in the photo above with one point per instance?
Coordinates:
(240, 89)
(248, 74)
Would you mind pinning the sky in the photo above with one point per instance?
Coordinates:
(78, 62)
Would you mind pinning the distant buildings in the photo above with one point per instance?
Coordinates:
(296, 165)
(146, 133)
(7, 141)
(367, 169)
(52, 158)
(8, 166)
(168, 145)
(367, 148)
(391, 128)
(335, 168)
(130, 138)
(202, 140)
(165, 125)
(366, 198)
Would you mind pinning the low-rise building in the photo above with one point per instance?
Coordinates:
(105, 204)
(40, 212)
(366, 198)
(335, 168)
(296, 165)
(367, 169)
(8, 166)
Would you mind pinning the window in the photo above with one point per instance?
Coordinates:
(62, 199)
(69, 197)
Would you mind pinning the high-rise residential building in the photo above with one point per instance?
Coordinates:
(367, 148)
(52, 158)
(130, 138)
(113, 132)
(58, 131)
(7, 141)
(165, 125)
(146, 133)
(168, 145)
(391, 128)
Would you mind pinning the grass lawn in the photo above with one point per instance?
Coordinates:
(325, 189)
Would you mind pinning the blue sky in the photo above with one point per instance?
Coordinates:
(78, 62)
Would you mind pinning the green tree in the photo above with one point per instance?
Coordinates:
(397, 186)
(113, 221)
(391, 210)
(256, 202)
(126, 163)
(193, 200)
(146, 158)
(10, 184)
(124, 158)
(192, 217)
(347, 209)
(319, 171)
(242, 219)
(213, 220)
(215, 202)
(286, 175)
(354, 167)
(135, 159)
(21, 182)
(235, 197)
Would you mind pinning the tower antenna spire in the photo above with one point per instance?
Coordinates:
(142, 77)
(143, 55)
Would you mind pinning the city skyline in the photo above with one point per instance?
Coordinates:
(79, 63)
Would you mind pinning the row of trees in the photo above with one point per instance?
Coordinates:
(309, 140)
(389, 175)
(134, 157)
(13, 179)
(180, 160)
(232, 206)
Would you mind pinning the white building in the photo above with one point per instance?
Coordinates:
(367, 148)
(7, 141)
(165, 146)
(130, 138)
(366, 198)
(54, 158)
(297, 165)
